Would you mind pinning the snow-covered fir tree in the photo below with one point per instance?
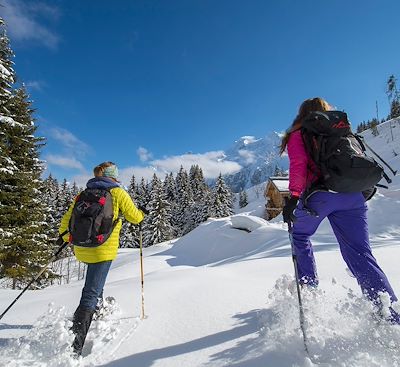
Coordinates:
(169, 187)
(157, 227)
(129, 236)
(65, 197)
(7, 77)
(23, 221)
(143, 193)
(183, 202)
(222, 205)
(243, 199)
(393, 97)
(75, 190)
(50, 194)
(199, 211)
(133, 188)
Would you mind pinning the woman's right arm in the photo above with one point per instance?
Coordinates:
(128, 208)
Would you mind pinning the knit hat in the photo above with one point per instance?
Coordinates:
(111, 171)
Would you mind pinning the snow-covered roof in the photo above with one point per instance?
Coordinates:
(281, 183)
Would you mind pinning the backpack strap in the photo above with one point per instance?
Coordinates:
(364, 144)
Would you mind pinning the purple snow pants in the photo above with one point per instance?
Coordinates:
(347, 214)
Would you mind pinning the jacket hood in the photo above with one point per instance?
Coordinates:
(102, 183)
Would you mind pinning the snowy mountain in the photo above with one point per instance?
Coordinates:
(259, 158)
(224, 296)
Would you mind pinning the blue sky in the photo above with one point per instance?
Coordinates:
(145, 82)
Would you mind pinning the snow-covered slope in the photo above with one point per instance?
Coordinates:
(387, 144)
(222, 296)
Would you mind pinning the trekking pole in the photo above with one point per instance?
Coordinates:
(296, 273)
(142, 316)
(54, 257)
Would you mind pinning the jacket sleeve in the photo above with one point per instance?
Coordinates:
(298, 164)
(65, 222)
(128, 208)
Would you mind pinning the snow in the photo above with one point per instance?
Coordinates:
(222, 296)
(282, 184)
(4, 70)
(10, 121)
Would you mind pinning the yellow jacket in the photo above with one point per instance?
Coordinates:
(123, 203)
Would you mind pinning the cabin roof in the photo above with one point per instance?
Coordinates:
(281, 183)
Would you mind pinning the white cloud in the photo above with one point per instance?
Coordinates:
(81, 179)
(22, 24)
(34, 84)
(144, 154)
(69, 140)
(58, 160)
(212, 164)
(248, 156)
(125, 174)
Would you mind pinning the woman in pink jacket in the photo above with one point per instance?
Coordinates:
(346, 212)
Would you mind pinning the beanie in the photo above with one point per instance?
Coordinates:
(111, 171)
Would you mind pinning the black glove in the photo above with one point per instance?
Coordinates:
(143, 209)
(369, 193)
(288, 209)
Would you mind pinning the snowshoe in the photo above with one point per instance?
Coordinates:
(104, 308)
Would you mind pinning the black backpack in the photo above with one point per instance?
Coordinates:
(91, 222)
(339, 154)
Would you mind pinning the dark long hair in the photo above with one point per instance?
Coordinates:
(309, 105)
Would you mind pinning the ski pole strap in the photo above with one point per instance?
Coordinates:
(388, 180)
(382, 186)
(61, 243)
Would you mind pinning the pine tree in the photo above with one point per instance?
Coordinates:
(395, 109)
(75, 190)
(22, 212)
(199, 211)
(7, 75)
(393, 97)
(223, 203)
(50, 193)
(65, 197)
(143, 193)
(129, 232)
(157, 226)
(169, 187)
(374, 127)
(243, 199)
(183, 203)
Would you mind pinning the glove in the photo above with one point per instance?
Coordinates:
(143, 209)
(288, 209)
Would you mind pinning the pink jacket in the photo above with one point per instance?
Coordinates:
(302, 170)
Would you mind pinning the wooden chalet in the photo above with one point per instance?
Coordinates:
(276, 191)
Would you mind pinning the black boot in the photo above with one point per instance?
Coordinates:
(80, 327)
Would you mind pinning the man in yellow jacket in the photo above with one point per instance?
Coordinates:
(99, 258)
